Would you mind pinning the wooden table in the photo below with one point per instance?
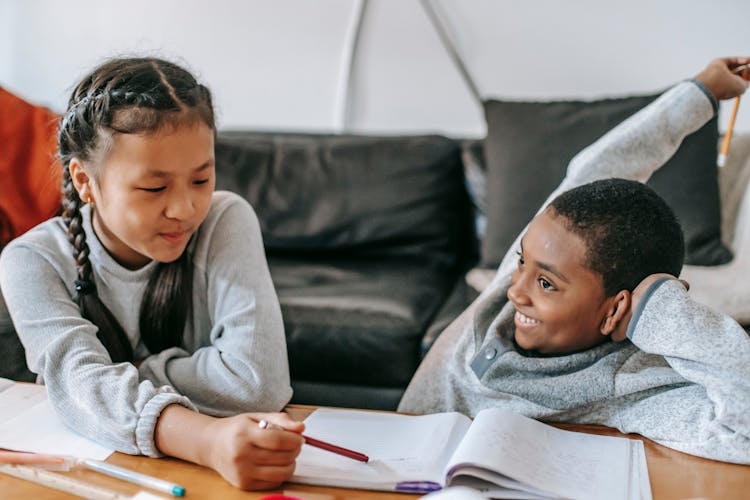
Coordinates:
(674, 475)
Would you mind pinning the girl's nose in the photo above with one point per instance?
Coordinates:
(180, 205)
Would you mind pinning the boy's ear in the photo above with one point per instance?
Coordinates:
(617, 316)
(81, 180)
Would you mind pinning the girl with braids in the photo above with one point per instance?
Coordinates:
(152, 325)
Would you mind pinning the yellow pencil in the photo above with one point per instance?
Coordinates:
(742, 71)
(724, 150)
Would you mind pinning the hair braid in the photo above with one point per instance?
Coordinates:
(110, 333)
(166, 303)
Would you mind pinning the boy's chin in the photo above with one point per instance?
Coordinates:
(524, 343)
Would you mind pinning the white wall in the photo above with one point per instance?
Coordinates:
(5, 49)
(275, 64)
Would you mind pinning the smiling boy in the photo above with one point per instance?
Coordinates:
(585, 321)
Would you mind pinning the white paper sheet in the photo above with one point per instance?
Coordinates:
(400, 447)
(28, 423)
(571, 464)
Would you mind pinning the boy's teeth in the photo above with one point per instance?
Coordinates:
(525, 319)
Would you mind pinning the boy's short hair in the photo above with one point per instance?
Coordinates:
(630, 232)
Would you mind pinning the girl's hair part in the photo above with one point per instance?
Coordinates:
(129, 96)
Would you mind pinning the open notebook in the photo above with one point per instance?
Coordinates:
(501, 454)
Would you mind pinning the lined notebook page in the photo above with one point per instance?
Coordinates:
(400, 447)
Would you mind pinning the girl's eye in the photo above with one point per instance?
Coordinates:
(154, 190)
(202, 181)
(520, 259)
(546, 285)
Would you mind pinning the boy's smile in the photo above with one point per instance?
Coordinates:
(560, 303)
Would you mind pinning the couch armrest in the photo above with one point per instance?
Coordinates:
(478, 279)
(459, 299)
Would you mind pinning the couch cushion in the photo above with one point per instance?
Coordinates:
(351, 195)
(357, 321)
(528, 148)
(365, 236)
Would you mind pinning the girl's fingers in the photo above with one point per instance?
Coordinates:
(274, 473)
(264, 457)
(275, 439)
(279, 419)
(266, 477)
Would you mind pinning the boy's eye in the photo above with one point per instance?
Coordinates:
(546, 284)
(202, 181)
(154, 190)
(520, 259)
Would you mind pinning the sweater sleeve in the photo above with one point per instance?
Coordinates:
(244, 365)
(104, 401)
(711, 416)
(635, 148)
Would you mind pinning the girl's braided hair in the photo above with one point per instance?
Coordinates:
(129, 96)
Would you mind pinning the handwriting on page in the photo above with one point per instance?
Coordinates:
(397, 445)
(568, 463)
(525, 450)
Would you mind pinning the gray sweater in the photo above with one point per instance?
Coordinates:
(233, 357)
(682, 378)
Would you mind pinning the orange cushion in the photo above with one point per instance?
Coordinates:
(29, 169)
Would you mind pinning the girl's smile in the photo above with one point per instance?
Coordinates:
(177, 237)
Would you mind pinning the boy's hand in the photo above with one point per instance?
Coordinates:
(253, 458)
(722, 81)
(635, 297)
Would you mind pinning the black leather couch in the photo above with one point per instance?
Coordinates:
(368, 240)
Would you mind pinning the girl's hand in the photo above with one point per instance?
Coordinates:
(724, 78)
(252, 458)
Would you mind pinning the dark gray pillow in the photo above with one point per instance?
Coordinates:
(351, 196)
(529, 145)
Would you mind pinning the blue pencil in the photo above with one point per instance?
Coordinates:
(133, 477)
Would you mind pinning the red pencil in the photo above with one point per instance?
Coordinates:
(339, 450)
(336, 449)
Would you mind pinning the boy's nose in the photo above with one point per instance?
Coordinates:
(517, 291)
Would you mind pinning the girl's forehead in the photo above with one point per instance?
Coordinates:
(169, 150)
